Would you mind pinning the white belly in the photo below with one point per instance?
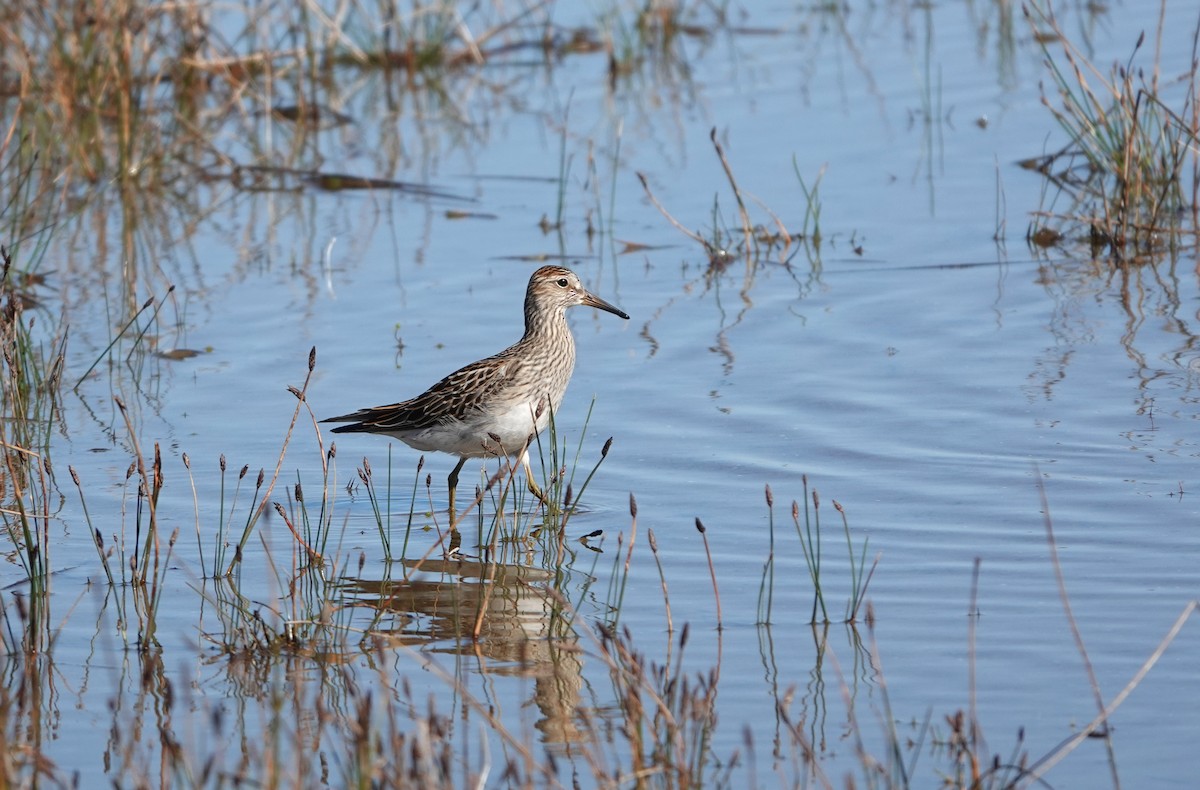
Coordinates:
(476, 437)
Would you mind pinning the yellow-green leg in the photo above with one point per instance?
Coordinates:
(452, 482)
(530, 482)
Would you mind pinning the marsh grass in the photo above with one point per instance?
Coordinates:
(32, 352)
(382, 520)
(30, 376)
(31, 369)
(766, 589)
(137, 332)
(808, 530)
(297, 687)
(728, 239)
(319, 656)
(618, 578)
(667, 715)
(653, 36)
(512, 532)
(1131, 170)
(141, 96)
(137, 549)
(151, 116)
(559, 471)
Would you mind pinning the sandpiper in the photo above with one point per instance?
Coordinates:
(497, 405)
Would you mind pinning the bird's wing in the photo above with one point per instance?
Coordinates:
(453, 398)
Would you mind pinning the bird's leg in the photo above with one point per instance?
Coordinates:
(452, 482)
(530, 482)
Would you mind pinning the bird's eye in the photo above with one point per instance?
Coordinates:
(562, 282)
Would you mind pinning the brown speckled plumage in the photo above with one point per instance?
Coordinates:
(493, 406)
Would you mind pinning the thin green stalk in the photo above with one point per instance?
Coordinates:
(552, 482)
(662, 579)
(187, 464)
(564, 169)
(387, 545)
(573, 504)
(616, 160)
(257, 510)
(579, 450)
(367, 477)
(221, 539)
(766, 588)
(811, 227)
(623, 576)
(145, 306)
(858, 581)
(712, 571)
(251, 518)
(148, 486)
(97, 537)
(412, 507)
(327, 500)
(810, 543)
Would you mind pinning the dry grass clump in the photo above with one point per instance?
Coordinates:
(1131, 171)
(741, 237)
(104, 93)
(161, 96)
(29, 381)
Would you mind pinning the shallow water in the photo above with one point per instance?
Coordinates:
(919, 372)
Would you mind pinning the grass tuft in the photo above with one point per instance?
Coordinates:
(751, 241)
(1132, 167)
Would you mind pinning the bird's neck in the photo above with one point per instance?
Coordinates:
(540, 323)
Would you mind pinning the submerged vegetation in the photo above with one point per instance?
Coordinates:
(307, 624)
